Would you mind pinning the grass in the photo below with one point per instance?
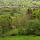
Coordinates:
(21, 38)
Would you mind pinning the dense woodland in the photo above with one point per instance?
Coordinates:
(21, 20)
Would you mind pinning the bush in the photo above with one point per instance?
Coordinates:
(31, 27)
(5, 24)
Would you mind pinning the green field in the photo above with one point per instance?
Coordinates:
(21, 38)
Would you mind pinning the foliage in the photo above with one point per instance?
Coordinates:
(17, 21)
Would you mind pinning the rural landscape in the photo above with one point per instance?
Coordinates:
(19, 19)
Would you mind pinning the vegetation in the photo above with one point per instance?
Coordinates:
(19, 21)
(21, 37)
(19, 18)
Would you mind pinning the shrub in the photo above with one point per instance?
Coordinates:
(31, 27)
